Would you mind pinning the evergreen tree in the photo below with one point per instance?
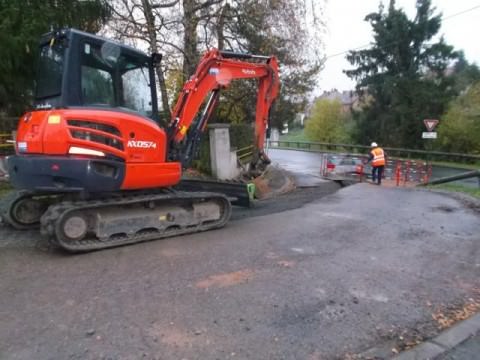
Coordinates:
(21, 24)
(402, 76)
(464, 74)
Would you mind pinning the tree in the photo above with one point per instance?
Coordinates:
(146, 21)
(327, 122)
(186, 28)
(169, 27)
(21, 24)
(194, 13)
(459, 129)
(464, 74)
(275, 27)
(403, 75)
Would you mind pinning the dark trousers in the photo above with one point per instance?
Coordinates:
(377, 173)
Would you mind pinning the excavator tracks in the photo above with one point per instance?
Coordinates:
(23, 210)
(82, 226)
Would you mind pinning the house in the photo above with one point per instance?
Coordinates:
(348, 98)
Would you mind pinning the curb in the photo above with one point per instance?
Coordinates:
(444, 342)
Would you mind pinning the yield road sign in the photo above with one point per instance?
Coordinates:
(430, 124)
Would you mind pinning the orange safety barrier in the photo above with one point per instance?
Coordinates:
(360, 172)
(353, 167)
(408, 171)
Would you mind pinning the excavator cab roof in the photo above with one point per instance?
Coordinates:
(78, 69)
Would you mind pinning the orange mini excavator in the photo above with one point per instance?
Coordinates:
(94, 167)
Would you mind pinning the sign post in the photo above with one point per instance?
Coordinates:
(429, 135)
(430, 124)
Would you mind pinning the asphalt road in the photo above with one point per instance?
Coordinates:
(308, 164)
(364, 270)
(298, 162)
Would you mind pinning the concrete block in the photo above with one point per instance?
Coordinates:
(223, 160)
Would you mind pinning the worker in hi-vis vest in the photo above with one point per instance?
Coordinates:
(377, 157)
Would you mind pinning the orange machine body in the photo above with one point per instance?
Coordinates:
(137, 143)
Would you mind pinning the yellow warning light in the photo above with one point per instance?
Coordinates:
(183, 130)
(54, 119)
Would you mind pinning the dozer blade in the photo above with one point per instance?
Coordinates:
(236, 191)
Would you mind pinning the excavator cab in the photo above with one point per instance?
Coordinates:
(94, 124)
(78, 69)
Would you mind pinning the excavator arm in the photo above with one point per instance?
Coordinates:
(215, 71)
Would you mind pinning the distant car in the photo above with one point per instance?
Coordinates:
(342, 167)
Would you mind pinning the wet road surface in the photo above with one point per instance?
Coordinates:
(297, 161)
(365, 268)
(305, 166)
(309, 163)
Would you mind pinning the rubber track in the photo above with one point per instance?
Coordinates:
(55, 214)
(6, 204)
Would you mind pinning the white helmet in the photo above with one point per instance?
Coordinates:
(374, 144)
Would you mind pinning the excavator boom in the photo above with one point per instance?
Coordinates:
(216, 70)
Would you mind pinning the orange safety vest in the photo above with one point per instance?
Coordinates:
(378, 157)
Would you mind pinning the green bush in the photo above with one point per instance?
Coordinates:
(459, 128)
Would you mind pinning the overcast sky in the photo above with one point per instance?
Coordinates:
(348, 30)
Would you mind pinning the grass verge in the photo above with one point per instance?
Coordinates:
(458, 188)
(294, 135)
(475, 166)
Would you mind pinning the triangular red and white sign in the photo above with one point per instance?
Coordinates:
(430, 124)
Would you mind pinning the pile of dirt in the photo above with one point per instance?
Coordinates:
(273, 181)
(290, 201)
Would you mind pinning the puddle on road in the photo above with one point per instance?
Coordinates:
(445, 208)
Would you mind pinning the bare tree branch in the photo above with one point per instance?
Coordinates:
(167, 5)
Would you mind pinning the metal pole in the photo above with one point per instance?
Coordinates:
(466, 175)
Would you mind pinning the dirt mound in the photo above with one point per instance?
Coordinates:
(274, 181)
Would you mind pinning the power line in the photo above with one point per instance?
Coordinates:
(461, 13)
(366, 45)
